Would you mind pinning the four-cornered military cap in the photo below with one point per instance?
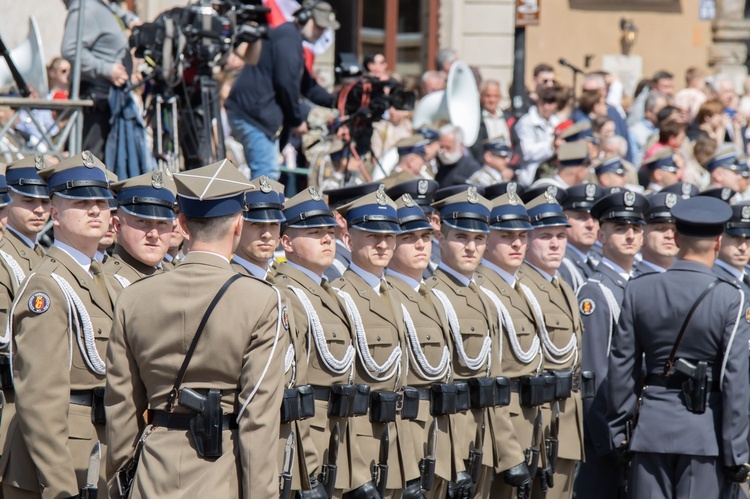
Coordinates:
(345, 195)
(322, 14)
(725, 157)
(722, 193)
(150, 195)
(264, 201)
(610, 165)
(446, 192)
(79, 177)
(581, 197)
(411, 217)
(498, 146)
(557, 193)
(496, 190)
(662, 160)
(621, 207)
(701, 216)
(211, 191)
(573, 154)
(23, 177)
(4, 196)
(421, 191)
(430, 134)
(685, 190)
(307, 209)
(545, 211)
(660, 207)
(509, 213)
(375, 212)
(577, 131)
(411, 145)
(739, 224)
(467, 210)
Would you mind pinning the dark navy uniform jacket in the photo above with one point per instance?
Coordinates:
(574, 270)
(653, 311)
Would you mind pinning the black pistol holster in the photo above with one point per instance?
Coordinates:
(97, 406)
(588, 385)
(206, 426)
(6, 376)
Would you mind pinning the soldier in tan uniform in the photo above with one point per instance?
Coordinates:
(322, 329)
(143, 224)
(59, 329)
(380, 337)
(237, 364)
(427, 346)
(556, 308)
(474, 328)
(29, 213)
(522, 360)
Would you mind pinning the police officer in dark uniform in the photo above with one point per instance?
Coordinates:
(577, 266)
(659, 246)
(621, 231)
(734, 253)
(689, 329)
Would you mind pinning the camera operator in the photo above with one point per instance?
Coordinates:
(265, 99)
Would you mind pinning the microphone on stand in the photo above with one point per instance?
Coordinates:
(564, 62)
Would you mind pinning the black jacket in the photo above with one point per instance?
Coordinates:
(268, 94)
(457, 173)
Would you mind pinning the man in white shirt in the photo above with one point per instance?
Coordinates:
(535, 132)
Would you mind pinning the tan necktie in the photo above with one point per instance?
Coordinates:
(99, 279)
(556, 283)
(39, 250)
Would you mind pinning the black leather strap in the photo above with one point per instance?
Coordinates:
(675, 382)
(183, 368)
(181, 421)
(82, 397)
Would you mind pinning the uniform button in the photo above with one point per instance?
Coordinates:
(334, 335)
(557, 323)
(99, 331)
(472, 328)
(23, 253)
(53, 260)
(362, 292)
(117, 263)
(523, 329)
(428, 336)
(378, 338)
(502, 290)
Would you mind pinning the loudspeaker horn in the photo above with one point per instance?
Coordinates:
(28, 57)
(458, 104)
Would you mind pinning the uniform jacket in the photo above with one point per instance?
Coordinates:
(26, 257)
(240, 352)
(599, 323)
(49, 441)
(8, 289)
(124, 270)
(653, 311)
(432, 334)
(384, 329)
(574, 270)
(477, 319)
(335, 325)
(561, 318)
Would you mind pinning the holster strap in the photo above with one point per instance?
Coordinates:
(181, 421)
(675, 382)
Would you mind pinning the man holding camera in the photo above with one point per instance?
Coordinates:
(265, 99)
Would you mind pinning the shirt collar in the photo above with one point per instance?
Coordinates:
(99, 256)
(460, 277)
(509, 278)
(309, 273)
(739, 274)
(28, 242)
(341, 243)
(413, 283)
(80, 258)
(654, 266)
(371, 279)
(583, 256)
(654, 187)
(609, 263)
(543, 273)
(212, 253)
(256, 271)
(169, 258)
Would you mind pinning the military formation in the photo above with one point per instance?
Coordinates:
(411, 342)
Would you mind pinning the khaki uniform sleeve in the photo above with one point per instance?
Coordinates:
(41, 371)
(125, 400)
(259, 424)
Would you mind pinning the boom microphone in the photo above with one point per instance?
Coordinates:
(564, 62)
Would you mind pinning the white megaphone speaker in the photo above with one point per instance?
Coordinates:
(29, 60)
(458, 104)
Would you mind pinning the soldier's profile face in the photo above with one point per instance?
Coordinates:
(259, 240)
(735, 250)
(78, 221)
(412, 251)
(507, 248)
(145, 239)
(583, 229)
(372, 251)
(659, 239)
(313, 248)
(28, 215)
(547, 248)
(462, 250)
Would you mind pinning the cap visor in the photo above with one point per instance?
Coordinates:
(85, 193)
(552, 222)
(739, 231)
(149, 211)
(468, 224)
(379, 227)
(4, 199)
(415, 226)
(321, 221)
(263, 216)
(512, 225)
(32, 191)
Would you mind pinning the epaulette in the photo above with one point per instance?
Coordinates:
(734, 284)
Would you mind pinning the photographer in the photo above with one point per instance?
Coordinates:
(265, 98)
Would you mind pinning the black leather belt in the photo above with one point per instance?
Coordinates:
(82, 397)
(322, 392)
(181, 421)
(424, 392)
(675, 382)
(514, 384)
